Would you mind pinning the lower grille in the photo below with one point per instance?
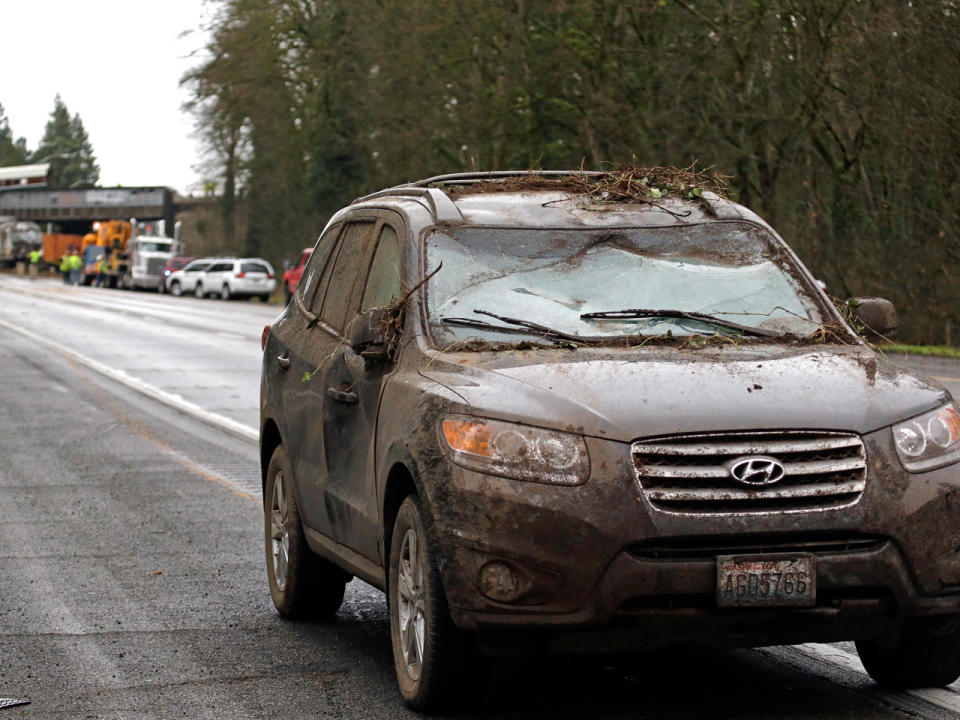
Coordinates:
(708, 548)
(693, 473)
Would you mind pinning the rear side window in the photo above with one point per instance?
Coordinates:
(344, 273)
(315, 265)
(253, 267)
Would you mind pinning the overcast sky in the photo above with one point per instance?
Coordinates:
(117, 63)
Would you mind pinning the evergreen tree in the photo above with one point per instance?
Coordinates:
(67, 148)
(12, 152)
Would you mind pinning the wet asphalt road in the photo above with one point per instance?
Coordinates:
(132, 576)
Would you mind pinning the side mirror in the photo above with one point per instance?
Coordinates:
(877, 315)
(369, 334)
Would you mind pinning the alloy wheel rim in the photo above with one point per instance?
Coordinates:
(411, 604)
(279, 534)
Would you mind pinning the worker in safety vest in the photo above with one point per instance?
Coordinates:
(100, 270)
(65, 267)
(76, 267)
(34, 263)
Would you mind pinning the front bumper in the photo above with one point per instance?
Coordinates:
(142, 279)
(600, 557)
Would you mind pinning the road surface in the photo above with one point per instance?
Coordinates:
(132, 581)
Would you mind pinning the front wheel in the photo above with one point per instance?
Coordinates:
(302, 584)
(175, 289)
(914, 661)
(429, 652)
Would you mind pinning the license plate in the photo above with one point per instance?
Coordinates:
(766, 581)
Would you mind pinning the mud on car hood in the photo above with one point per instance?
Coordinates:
(629, 395)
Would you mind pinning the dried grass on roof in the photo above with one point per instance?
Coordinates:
(626, 184)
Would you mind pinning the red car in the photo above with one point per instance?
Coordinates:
(291, 278)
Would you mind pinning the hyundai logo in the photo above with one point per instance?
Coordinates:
(757, 470)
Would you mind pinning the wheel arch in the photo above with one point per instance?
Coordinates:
(270, 440)
(400, 482)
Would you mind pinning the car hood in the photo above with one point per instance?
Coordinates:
(633, 394)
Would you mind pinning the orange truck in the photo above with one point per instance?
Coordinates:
(108, 239)
(56, 244)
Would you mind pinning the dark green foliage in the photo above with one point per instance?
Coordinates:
(12, 152)
(67, 148)
(835, 119)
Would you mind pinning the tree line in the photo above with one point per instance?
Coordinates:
(64, 145)
(836, 120)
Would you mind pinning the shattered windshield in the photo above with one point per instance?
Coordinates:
(528, 278)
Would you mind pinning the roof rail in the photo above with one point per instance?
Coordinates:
(442, 207)
(467, 178)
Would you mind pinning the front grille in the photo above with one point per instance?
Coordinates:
(155, 265)
(690, 474)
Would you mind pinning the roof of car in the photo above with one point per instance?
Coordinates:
(501, 198)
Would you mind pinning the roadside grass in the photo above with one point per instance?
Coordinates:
(945, 351)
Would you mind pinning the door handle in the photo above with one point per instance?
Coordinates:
(283, 362)
(350, 398)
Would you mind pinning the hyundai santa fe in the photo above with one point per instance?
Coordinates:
(544, 416)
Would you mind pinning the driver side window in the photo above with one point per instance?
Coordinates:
(383, 281)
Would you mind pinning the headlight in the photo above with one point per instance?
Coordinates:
(516, 451)
(929, 441)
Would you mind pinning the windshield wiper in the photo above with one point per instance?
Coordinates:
(689, 315)
(528, 325)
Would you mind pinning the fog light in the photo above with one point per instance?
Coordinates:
(500, 581)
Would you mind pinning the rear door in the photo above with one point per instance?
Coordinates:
(213, 278)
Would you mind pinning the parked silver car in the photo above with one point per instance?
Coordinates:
(237, 277)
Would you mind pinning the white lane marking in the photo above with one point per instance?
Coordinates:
(169, 399)
(230, 335)
(941, 697)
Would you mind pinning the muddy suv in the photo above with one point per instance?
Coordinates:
(545, 412)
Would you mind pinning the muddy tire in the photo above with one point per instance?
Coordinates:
(915, 661)
(430, 654)
(302, 584)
